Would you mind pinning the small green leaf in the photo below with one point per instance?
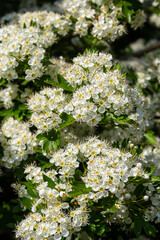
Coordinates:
(127, 10)
(30, 189)
(149, 170)
(149, 229)
(118, 3)
(117, 67)
(51, 184)
(105, 119)
(79, 188)
(68, 120)
(155, 179)
(51, 140)
(22, 107)
(11, 225)
(137, 224)
(123, 119)
(27, 202)
(16, 209)
(150, 137)
(62, 83)
(6, 113)
(19, 172)
(43, 162)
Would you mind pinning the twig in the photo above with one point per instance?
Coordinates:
(143, 51)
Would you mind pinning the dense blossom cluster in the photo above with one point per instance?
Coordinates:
(107, 171)
(147, 68)
(17, 141)
(8, 94)
(46, 106)
(101, 91)
(139, 19)
(108, 168)
(151, 157)
(22, 50)
(79, 127)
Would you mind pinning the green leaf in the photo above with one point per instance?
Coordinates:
(139, 190)
(149, 170)
(151, 137)
(79, 188)
(6, 113)
(22, 107)
(109, 203)
(24, 83)
(62, 83)
(51, 184)
(124, 143)
(68, 120)
(117, 66)
(27, 202)
(132, 76)
(44, 162)
(127, 10)
(105, 119)
(118, 3)
(11, 225)
(51, 140)
(123, 119)
(30, 189)
(149, 229)
(19, 172)
(155, 179)
(16, 209)
(137, 224)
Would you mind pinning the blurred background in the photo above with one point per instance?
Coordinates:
(7, 6)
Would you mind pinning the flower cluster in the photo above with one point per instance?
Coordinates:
(104, 22)
(107, 171)
(147, 67)
(101, 91)
(151, 157)
(153, 212)
(83, 125)
(46, 107)
(23, 46)
(155, 19)
(57, 217)
(138, 20)
(17, 141)
(8, 94)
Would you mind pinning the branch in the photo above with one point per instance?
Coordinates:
(143, 51)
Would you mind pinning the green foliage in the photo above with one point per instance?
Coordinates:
(118, 3)
(51, 184)
(122, 119)
(127, 10)
(19, 172)
(137, 224)
(51, 140)
(68, 120)
(78, 188)
(27, 202)
(61, 83)
(31, 189)
(10, 213)
(19, 112)
(43, 162)
(140, 223)
(117, 66)
(150, 137)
